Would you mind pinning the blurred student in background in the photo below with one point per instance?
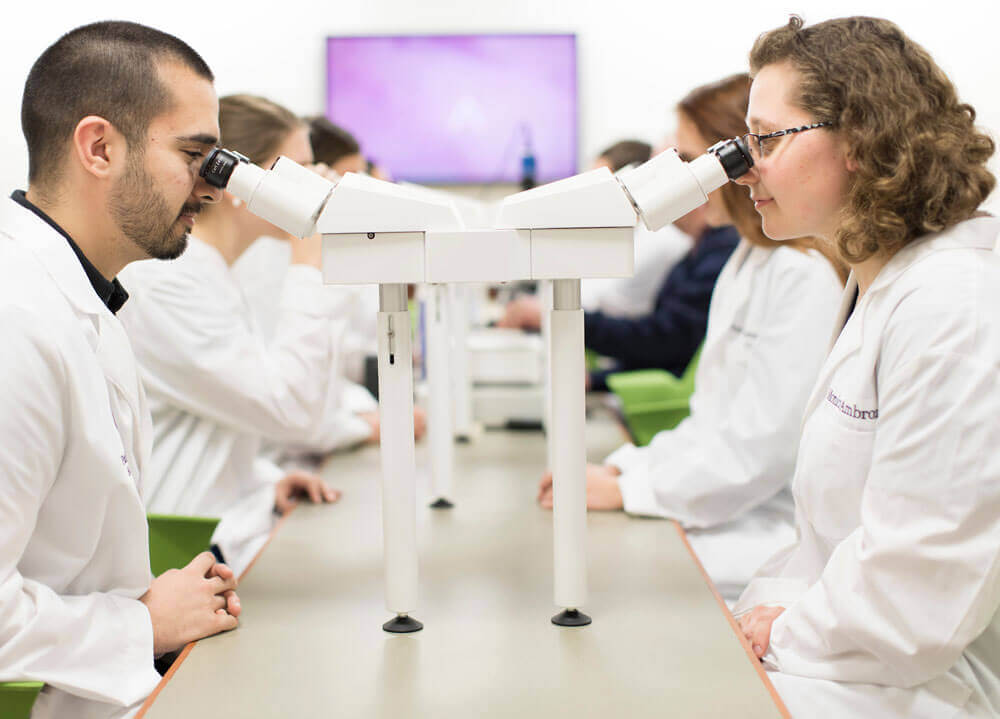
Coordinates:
(724, 471)
(217, 386)
(656, 253)
(338, 150)
(668, 335)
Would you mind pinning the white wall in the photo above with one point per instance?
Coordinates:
(637, 57)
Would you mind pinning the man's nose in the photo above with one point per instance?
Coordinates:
(206, 192)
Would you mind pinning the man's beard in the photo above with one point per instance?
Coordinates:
(144, 216)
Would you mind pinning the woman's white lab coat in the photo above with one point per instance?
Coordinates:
(892, 591)
(75, 428)
(357, 310)
(724, 471)
(216, 388)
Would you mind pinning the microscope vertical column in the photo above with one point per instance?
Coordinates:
(461, 382)
(440, 433)
(569, 458)
(399, 492)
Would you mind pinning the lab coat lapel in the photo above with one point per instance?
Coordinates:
(114, 353)
(724, 308)
(846, 340)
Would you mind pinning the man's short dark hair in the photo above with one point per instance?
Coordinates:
(330, 142)
(627, 152)
(108, 69)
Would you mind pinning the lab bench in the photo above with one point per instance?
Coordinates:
(311, 644)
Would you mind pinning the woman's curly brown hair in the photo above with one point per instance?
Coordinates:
(920, 158)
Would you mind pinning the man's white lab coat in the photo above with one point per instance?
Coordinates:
(74, 556)
(217, 388)
(725, 470)
(892, 590)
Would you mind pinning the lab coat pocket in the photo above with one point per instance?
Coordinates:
(834, 461)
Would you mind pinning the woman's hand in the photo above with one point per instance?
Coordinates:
(602, 488)
(756, 627)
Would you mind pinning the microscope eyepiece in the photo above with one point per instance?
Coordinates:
(734, 156)
(219, 165)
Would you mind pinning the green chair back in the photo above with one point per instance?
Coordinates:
(16, 699)
(176, 540)
(653, 400)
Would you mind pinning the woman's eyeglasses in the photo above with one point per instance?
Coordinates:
(761, 145)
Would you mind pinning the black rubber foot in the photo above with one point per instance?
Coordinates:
(402, 625)
(463, 439)
(441, 503)
(571, 618)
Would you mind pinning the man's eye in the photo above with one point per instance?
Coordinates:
(194, 155)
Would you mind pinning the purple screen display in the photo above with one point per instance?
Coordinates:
(458, 108)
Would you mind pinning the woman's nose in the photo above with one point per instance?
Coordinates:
(749, 178)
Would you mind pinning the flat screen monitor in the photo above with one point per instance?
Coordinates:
(454, 109)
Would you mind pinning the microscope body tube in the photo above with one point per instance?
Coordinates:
(399, 493)
(288, 195)
(569, 459)
(666, 187)
(440, 435)
(462, 391)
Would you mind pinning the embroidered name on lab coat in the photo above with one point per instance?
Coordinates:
(851, 410)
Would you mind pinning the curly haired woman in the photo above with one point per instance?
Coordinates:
(887, 605)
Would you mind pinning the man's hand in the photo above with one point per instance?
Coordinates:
(524, 312)
(191, 603)
(602, 488)
(419, 424)
(300, 484)
(756, 627)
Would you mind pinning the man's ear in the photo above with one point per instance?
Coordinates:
(98, 146)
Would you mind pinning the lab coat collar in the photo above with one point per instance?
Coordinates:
(847, 339)
(978, 233)
(54, 253)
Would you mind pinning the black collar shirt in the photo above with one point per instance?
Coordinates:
(111, 292)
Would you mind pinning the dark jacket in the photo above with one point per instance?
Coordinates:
(667, 337)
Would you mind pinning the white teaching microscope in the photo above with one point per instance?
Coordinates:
(394, 235)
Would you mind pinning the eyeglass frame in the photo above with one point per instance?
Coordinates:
(780, 133)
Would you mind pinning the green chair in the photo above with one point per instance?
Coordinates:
(16, 699)
(176, 540)
(173, 542)
(653, 399)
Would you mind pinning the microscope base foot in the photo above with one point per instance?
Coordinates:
(571, 618)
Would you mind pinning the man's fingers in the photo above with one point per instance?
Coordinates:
(202, 563)
(233, 603)
(224, 621)
(330, 494)
(220, 570)
(218, 585)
